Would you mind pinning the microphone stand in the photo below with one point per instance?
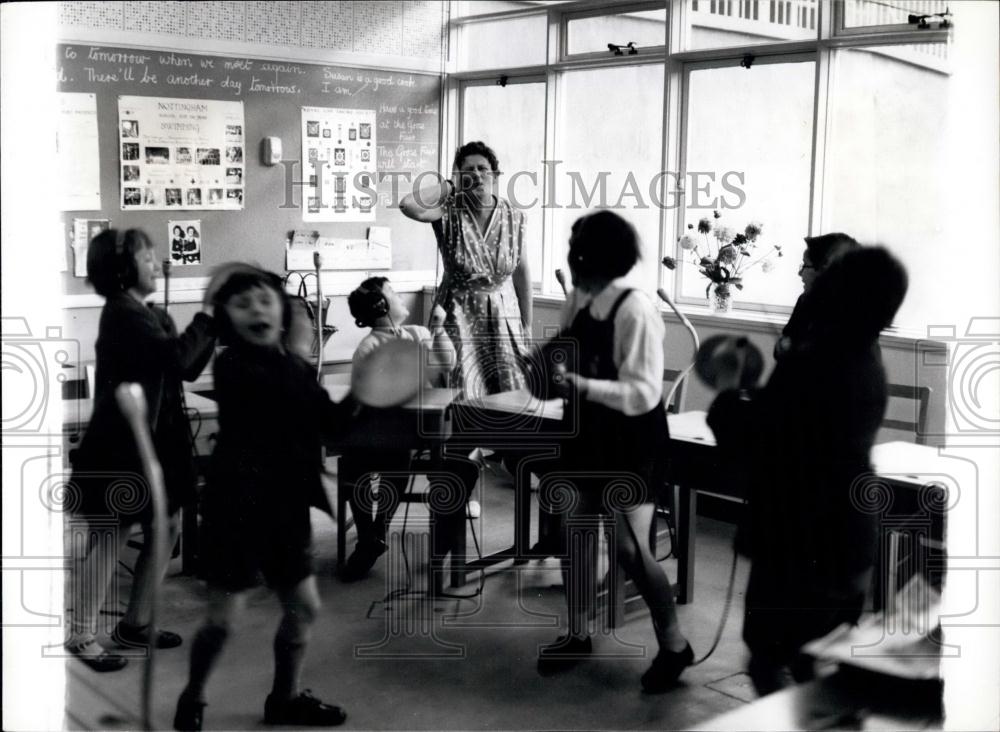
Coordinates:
(694, 337)
(318, 264)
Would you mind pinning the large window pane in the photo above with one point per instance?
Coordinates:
(643, 28)
(487, 114)
(493, 44)
(749, 148)
(887, 172)
(725, 23)
(466, 8)
(609, 139)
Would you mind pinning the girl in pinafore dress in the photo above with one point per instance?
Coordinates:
(615, 460)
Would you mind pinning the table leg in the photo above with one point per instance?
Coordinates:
(687, 516)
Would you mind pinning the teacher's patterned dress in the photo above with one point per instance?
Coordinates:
(477, 293)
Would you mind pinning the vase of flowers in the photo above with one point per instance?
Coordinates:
(724, 257)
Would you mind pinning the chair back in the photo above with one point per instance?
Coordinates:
(670, 376)
(916, 411)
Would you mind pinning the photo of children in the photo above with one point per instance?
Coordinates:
(133, 196)
(234, 154)
(184, 155)
(234, 130)
(185, 241)
(208, 156)
(130, 128)
(234, 176)
(235, 194)
(157, 155)
(173, 196)
(130, 172)
(193, 196)
(130, 151)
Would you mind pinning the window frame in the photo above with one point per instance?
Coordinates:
(605, 10)
(677, 58)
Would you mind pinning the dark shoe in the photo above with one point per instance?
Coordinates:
(138, 636)
(564, 654)
(189, 713)
(101, 662)
(362, 559)
(666, 669)
(305, 709)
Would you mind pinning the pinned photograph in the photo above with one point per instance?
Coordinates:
(326, 132)
(130, 128)
(173, 196)
(130, 151)
(193, 197)
(366, 156)
(366, 131)
(208, 156)
(352, 134)
(234, 176)
(184, 155)
(157, 155)
(312, 129)
(149, 197)
(133, 196)
(185, 241)
(214, 196)
(235, 194)
(234, 154)
(234, 130)
(339, 156)
(130, 173)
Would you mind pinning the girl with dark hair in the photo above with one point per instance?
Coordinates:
(265, 475)
(135, 343)
(616, 407)
(486, 287)
(804, 439)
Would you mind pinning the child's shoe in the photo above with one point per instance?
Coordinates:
(189, 714)
(666, 669)
(303, 710)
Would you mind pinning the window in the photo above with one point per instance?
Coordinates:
(749, 149)
(884, 175)
(610, 140)
(487, 112)
(878, 13)
(494, 44)
(591, 33)
(727, 23)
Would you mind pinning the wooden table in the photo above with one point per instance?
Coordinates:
(911, 474)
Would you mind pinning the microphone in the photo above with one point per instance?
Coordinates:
(166, 283)
(562, 280)
(694, 337)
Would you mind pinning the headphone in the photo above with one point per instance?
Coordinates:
(369, 303)
(123, 261)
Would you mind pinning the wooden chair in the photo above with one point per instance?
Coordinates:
(895, 565)
(918, 425)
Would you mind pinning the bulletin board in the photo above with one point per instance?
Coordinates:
(408, 133)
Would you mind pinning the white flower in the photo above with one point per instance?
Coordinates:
(724, 234)
(687, 242)
(767, 265)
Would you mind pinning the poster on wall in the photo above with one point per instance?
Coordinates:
(181, 154)
(84, 230)
(78, 157)
(185, 241)
(338, 153)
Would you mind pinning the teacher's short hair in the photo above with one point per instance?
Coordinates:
(476, 147)
(603, 244)
(111, 259)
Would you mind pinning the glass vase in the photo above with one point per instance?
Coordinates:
(721, 300)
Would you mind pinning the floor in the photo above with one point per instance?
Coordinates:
(405, 662)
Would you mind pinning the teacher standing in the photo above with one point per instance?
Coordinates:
(486, 287)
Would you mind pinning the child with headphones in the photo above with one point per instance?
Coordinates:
(135, 343)
(374, 304)
(264, 477)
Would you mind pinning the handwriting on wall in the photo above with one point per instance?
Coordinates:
(406, 104)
